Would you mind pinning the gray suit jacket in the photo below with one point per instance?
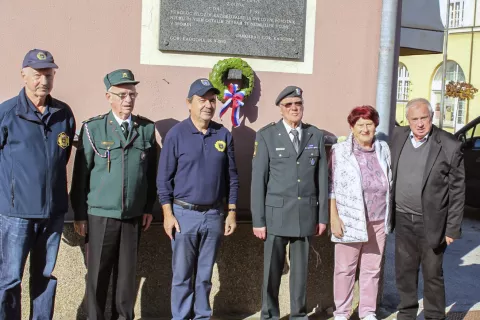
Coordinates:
(443, 193)
(289, 190)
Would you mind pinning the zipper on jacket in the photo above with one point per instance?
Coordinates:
(13, 192)
(47, 176)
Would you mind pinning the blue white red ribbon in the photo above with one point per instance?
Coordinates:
(235, 100)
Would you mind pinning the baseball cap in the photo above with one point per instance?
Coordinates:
(39, 59)
(201, 86)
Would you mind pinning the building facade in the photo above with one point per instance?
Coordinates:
(421, 75)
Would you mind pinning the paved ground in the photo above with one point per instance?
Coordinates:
(462, 277)
(461, 270)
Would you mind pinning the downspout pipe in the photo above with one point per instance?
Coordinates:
(388, 66)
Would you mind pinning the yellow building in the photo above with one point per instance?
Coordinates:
(421, 76)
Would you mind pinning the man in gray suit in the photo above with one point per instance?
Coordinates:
(289, 200)
(429, 196)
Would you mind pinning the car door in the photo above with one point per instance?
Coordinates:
(471, 152)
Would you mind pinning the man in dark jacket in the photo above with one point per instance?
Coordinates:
(429, 196)
(113, 188)
(36, 132)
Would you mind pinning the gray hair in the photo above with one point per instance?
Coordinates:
(417, 101)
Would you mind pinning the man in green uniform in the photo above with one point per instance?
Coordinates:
(289, 200)
(112, 195)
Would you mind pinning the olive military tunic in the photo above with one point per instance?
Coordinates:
(125, 190)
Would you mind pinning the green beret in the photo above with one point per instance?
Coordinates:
(117, 77)
(290, 91)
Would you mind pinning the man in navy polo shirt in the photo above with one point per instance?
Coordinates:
(196, 174)
(36, 132)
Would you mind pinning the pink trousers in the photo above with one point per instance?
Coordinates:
(366, 255)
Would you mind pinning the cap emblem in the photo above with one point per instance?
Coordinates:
(124, 75)
(205, 82)
(41, 56)
(298, 91)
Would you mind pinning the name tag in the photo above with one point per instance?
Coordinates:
(279, 149)
(310, 146)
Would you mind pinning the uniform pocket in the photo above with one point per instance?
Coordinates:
(113, 146)
(274, 201)
(280, 154)
(314, 153)
(143, 147)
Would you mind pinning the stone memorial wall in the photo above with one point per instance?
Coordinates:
(262, 28)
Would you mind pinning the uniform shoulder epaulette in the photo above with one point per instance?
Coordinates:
(95, 118)
(144, 118)
(267, 126)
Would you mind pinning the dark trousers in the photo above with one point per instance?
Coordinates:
(274, 259)
(194, 250)
(112, 247)
(412, 251)
(41, 239)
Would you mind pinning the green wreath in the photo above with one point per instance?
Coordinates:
(220, 71)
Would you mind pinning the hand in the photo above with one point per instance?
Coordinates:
(260, 233)
(321, 227)
(449, 240)
(81, 227)
(230, 223)
(337, 227)
(170, 223)
(146, 221)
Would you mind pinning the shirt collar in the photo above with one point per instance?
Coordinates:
(120, 121)
(35, 110)
(194, 129)
(424, 139)
(288, 128)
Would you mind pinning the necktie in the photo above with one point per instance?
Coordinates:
(296, 141)
(124, 127)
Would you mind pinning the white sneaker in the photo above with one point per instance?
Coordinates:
(340, 318)
(370, 317)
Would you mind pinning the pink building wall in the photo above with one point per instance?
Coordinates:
(90, 38)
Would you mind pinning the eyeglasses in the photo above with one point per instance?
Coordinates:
(123, 95)
(289, 104)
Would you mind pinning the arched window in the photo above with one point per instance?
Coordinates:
(403, 83)
(403, 91)
(454, 111)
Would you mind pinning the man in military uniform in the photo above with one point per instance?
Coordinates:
(289, 200)
(113, 192)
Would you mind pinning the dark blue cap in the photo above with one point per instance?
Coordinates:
(39, 59)
(201, 86)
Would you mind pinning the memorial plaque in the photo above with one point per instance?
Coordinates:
(262, 28)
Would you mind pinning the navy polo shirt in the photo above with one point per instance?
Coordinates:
(197, 168)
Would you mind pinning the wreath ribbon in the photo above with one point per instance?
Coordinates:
(234, 99)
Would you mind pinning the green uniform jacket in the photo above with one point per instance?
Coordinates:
(289, 190)
(128, 190)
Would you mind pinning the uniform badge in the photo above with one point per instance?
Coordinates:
(220, 145)
(255, 150)
(63, 140)
(143, 155)
(41, 56)
(312, 161)
(205, 82)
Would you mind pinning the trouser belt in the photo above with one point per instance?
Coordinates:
(196, 207)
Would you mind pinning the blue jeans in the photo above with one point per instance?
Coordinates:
(194, 253)
(18, 238)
